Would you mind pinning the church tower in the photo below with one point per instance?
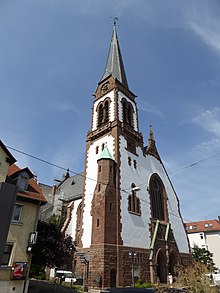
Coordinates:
(131, 226)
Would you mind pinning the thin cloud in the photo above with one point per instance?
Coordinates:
(65, 107)
(150, 109)
(209, 120)
(210, 37)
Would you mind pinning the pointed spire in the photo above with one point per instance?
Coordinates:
(114, 65)
(151, 148)
(105, 154)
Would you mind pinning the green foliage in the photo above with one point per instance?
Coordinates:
(51, 247)
(204, 256)
(141, 284)
(56, 220)
(195, 278)
(37, 272)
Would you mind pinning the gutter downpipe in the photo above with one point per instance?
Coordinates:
(152, 252)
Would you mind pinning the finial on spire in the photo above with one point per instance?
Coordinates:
(115, 20)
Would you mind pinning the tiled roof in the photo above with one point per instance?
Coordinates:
(33, 191)
(202, 226)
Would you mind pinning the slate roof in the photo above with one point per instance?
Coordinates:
(72, 187)
(202, 226)
(33, 191)
(114, 65)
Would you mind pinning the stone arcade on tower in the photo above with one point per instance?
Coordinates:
(128, 224)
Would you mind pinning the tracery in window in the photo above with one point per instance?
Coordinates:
(103, 112)
(128, 112)
(157, 196)
(134, 205)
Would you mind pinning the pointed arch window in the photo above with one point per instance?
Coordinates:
(100, 114)
(158, 198)
(128, 112)
(134, 205)
(103, 111)
(106, 107)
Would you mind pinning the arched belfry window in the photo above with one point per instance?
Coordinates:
(128, 112)
(100, 114)
(134, 205)
(158, 198)
(103, 112)
(106, 107)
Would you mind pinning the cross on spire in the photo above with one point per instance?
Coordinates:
(115, 20)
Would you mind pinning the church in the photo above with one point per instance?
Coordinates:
(127, 225)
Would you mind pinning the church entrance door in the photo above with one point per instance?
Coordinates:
(161, 267)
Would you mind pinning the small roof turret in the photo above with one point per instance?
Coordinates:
(114, 65)
(151, 148)
(105, 154)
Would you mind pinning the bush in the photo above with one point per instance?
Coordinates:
(142, 284)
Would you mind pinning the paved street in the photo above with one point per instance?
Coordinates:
(46, 287)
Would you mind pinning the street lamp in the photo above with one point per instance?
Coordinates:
(132, 255)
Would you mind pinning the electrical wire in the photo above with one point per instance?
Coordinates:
(123, 190)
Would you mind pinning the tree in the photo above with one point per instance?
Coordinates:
(52, 246)
(195, 278)
(204, 256)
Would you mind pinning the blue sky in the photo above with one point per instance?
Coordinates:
(53, 54)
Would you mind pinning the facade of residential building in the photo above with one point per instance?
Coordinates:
(128, 224)
(15, 262)
(206, 234)
(6, 202)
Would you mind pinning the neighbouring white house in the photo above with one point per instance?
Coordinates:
(206, 234)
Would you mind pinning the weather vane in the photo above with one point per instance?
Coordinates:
(115, 19)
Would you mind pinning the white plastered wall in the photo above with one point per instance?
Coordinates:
(135, 229)
(71, 229)
(91, 181)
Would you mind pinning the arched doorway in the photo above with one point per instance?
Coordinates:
(161, 267)
(112, 278)
(173, 262)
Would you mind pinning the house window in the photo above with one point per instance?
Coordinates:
(97, 149)
(23, 181)
(134, 205)
(97, 222)
(157, 197)
(16, 217)
(100, 168)
(7, 254)
(129, 161)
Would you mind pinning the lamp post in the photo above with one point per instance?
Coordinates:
(132, 255)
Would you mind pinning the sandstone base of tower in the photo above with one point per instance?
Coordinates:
(104, 261)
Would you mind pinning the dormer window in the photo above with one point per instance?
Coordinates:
(22, 182)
